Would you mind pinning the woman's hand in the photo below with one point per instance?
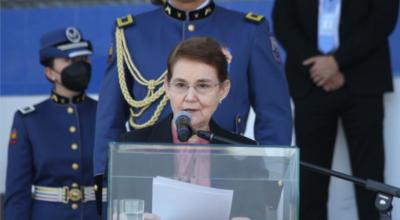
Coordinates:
(150, 216)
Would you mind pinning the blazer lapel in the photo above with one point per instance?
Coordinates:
(161, 133)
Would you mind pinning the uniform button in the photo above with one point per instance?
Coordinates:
(70, 110)
(191, 27)
(74, 146)
(72, 129)
(74, 206)
(75, 166)
(74, 185)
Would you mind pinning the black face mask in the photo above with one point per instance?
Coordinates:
(76, 76)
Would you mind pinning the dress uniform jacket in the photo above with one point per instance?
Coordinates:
(51, 145)
(255, 72)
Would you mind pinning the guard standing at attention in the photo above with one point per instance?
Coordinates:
(49, 171)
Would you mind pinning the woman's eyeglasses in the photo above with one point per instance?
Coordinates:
(200, 88)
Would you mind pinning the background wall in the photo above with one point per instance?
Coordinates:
(22, 82)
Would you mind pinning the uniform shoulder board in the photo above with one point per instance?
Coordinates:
(254, 18)
(27, 109)
(125, 21)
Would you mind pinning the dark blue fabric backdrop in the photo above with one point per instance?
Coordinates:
(21, 73)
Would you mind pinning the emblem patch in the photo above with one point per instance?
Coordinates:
(13, 137)
(73, 34)
(110, 55)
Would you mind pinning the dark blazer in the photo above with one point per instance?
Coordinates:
(252, 201)
(161, 133)
(363, 55)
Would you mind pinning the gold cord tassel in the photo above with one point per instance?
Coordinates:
(123, 57)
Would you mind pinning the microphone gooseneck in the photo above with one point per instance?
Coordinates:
(207, 135)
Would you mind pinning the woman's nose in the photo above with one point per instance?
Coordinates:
(190, 94)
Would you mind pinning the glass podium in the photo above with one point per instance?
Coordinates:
(213, 182)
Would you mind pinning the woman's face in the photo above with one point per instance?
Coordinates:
(59, 64)
(194, 87)
(54, 73)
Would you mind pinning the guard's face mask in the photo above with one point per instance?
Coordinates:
(76, 76)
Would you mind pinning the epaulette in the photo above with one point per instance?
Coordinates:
(125, 21)
(254, 18)
(27, 109)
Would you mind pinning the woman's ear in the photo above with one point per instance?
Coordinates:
(166, 87)
(226, 86)
(49, 74)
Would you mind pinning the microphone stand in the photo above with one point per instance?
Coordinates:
(384, 198)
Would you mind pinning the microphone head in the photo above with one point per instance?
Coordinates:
(182, 115)
(183, 121)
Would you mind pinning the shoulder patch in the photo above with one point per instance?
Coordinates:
(125, 21)
(110, 55)
(254, 18)
(13, 137)
(27, 109)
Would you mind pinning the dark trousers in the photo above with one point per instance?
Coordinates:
(316, 122)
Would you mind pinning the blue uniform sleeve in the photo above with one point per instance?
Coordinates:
(18, 198)
(112, 114)
(269, 93)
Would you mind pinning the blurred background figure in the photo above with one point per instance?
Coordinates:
(51, 143)
(338, 67)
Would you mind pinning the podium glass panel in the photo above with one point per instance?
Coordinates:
(189, 182)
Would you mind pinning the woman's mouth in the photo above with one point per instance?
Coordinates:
(190, 110)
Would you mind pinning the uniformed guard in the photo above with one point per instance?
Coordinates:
(49, 172)
(132, 94)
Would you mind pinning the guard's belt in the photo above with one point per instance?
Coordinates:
(66, 194)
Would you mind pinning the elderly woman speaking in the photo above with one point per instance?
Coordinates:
(196, 82)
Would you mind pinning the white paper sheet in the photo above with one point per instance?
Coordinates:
(176, 200)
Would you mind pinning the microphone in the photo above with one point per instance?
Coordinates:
(183, 121)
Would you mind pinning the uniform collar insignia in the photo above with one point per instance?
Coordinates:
(64, 100)
(193, 15)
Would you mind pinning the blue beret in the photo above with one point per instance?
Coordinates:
(67, 42)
